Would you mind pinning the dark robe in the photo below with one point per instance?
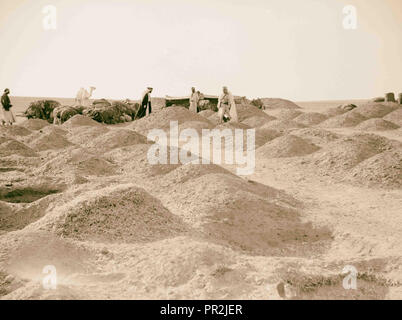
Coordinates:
(142, 111)
(5, 101)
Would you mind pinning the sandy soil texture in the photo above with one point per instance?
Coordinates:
(326, 194)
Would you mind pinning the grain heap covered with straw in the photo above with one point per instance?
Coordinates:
(62, 113)
(42, 109)
(116, 112)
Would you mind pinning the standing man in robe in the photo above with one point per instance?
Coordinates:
(145, 107)
(7, 113)
(194, 98)
(227, 107)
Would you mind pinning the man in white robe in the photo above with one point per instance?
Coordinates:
(194, 98)
(227, 107)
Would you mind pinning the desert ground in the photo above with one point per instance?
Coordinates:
(326, 193)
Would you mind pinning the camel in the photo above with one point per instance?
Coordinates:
(82, 97)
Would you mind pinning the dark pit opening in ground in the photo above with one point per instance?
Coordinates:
(4, 169)
(25, 195)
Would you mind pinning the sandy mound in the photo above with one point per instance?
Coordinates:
(9, 147)
(120, 214)
(50, 141)
(376, 124)
(247, 111)
(206, 113)
(34, 124)
(188, 172)
(257, 121)
(14, 131)
(395, 117)
(86, 134)
(276, 103)
(320, 137)
(345, 153)
(286, 146)
(282, 125)
(134, 160)
(288, 114)
(80, 120)
(243, 215)
(376, 110)
(349, 119)
(383, 169)
(78, 161)
(161, 119)
(116, 138)
(310, 118)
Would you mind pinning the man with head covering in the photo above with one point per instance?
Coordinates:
(145, 107)
(194, 98)
(227, 107)
(7, 113)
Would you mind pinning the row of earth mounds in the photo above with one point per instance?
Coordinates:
(317, 136)
(101, 110)
(365, 159)
(277, 103)
(302, 118)
(364, 113)
(240, 214)
(84, 132)
(349, 151)
(82, 265)
(336, 111)
(293, 143)
(362, 158)
(376, 124)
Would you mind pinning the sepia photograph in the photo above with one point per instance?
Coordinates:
(201, 154)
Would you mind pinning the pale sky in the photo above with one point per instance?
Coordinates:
(293, 49)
